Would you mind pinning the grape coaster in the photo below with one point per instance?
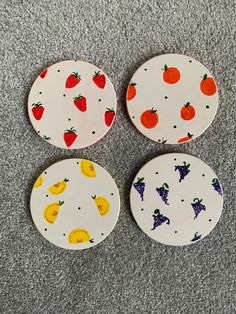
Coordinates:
(72, 104)
(172, 99)
(75, 204)
(176, 199)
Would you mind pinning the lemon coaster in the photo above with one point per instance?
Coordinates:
(75, 204)
(172, 99)
(72, 104)
(176, 199)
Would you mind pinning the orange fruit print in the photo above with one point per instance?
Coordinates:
(149, 118)
(186, 138)
(171, 75)
(131, 91)
(208, 86)
(187, 112)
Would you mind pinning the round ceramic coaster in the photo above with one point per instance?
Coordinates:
(72, 104)
(172, 99)
(75, 204)
(176, 199)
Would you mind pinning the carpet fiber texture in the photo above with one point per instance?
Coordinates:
(128, 272)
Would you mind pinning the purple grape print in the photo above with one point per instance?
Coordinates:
(196, 237)
(183, 170)
(159, 219)
(197, 206)
(140, 187)
(163, 192)
(216, 186)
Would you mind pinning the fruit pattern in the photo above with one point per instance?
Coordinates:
(183, 170)
(196, 237)
(150, 119)
(140, 187)
(163, 191)
(196, 205)
(216, 185)
(159, 219)
(51, 210)
(71, 136)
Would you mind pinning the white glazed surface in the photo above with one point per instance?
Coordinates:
(79, 209)
(152, 90)
(196, 184)
(60, 112)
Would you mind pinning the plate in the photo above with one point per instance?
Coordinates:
(176, 199)
(72, 104)
(75, 204)
(172, 99)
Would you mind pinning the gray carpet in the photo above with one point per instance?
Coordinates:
(128, 272)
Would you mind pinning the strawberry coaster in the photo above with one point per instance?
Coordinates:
(75, 204)
(72, 104)
(172, 99)
(176, 199)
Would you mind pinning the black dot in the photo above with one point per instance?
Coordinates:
(190, 61)
(45, 172)
(175, 231)
(75, 60)
(46, 195)
(203, 175)
(45, 229)
(174, 158)
(38, 131)
(58, 70)
(159, 140)
(69, 119)
(40, 93)
(166, 97)
(77, 162)
(79, 208)
(174, 126)
(207, 107)
(133, 117)
(112, 194)
(182, 200)
(102, 233)
(64, 234)
(145, 69)
(99, 100)
(157, 172)
(93, 132)
(64, 95)
(141, 209)
(210, 220)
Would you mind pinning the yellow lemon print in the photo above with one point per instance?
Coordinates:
(87, 169)
(51, 211)
(38, 182)
(59, 187)
(79, 236)
(102, 204)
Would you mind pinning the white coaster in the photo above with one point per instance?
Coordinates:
(75, 204)
(72, 104)
(172, 99)
(176, 199)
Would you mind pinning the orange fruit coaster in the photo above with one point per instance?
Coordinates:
(72, 104)
(172, 99)
(75, 204)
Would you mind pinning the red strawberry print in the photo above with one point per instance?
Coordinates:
(80, 102)
(37, 110)
(72, 80)
(43, 74)
(109, 116)
(99, 79)
(70, 136)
